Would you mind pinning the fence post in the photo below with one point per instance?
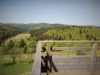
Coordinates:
(93, 63)
(36, 70)
(48, 58)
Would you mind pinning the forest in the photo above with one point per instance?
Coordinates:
(7, 31)
(66, 33)
(20, 52)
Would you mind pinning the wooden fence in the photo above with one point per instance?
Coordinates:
(50, 64)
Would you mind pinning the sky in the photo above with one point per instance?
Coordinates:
(72, 12)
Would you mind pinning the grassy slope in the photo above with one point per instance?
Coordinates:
(20, 36)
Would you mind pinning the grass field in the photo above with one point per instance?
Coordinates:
(20, 36)
(22, 68)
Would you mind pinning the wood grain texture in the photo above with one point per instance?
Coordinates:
(93, 63)
(36, 70)
(48, 59)
(72, 48)
(69, 41)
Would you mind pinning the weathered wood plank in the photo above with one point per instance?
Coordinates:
(72, 73)
(72, 67)
(73, 64)
(98, 48)
(74, 70)
(72, 57)
(48, 59)
(69, 41)
(70, 70)
(98, 63)
(93, 64)
(72, 60)
(36, 70)
(98, 59)
(98, 66)
(71, 48)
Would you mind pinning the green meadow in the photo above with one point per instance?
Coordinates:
(8, 68)
(20, 36)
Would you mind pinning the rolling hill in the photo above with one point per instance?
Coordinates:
(66, 33)
(33, 26)
(7, 31)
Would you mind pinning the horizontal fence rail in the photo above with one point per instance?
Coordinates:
(73, 48)
(69, 41)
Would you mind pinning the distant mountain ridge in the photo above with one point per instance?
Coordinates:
(32, 26)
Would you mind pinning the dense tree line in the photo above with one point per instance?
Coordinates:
(66, 33)
(7, 31)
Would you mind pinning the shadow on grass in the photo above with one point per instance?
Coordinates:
(11, 63)
(26, 61)
(7, 64)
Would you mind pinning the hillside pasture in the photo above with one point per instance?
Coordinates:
(20, 36)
